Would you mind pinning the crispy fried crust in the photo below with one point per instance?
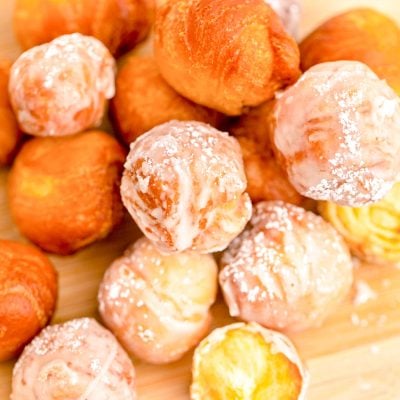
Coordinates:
(9, 133)
(266, 180)
(119, 24)
(224, 54)
(64, 192)
(144, 99)
(28, 292)
(361, 35)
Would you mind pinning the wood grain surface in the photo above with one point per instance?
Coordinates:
(353, 356)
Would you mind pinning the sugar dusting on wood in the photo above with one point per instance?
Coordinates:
(363, 293)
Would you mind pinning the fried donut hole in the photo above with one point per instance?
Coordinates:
(28, 293)
(10, 135)
(338, 134)
(60, 88)
(362, 34)
(287, 271)
(119, 24)
(266, 180)
(64, 192)
(226, 55)
(158, 305)
(144, 100)
(184, 185)
(75, 360)
(247, 361)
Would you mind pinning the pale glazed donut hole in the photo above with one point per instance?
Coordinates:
(288, 270)
(184, 185)
(61, 87)
(76, 360)
(338, 134)
(158, 305)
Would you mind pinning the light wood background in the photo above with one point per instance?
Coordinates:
(353, 356)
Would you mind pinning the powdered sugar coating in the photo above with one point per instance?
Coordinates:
(279, 344)
(184, 185)
(289, 12)
(61, 87)
(287, 270)
(158, 305)
(338, 133)
(76, 360)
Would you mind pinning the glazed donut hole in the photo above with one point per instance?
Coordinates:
(158, 305)
(337, 134)
(184, 185)
(28, 294)
(329, 138)
(247, 361)
(63, 193)
(61, 88)
(78, 359)
(287, 271)
(144, 100)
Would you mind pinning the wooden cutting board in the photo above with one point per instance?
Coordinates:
(353, 356)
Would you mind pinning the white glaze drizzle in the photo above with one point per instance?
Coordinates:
(76, 348)
(135, 306)
(353, 119)
(51, 84)
(198, 169)
(286, 255)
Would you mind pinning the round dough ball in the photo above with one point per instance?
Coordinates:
(184, 185)
(28, 294)
(60, 88)
(119, 24)
(144, 100)
(288, 270)
(158, 305)
(361, 34)
(63, 192)
(227, 55)
(75, 360)
(247, 361)
(338, 134)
